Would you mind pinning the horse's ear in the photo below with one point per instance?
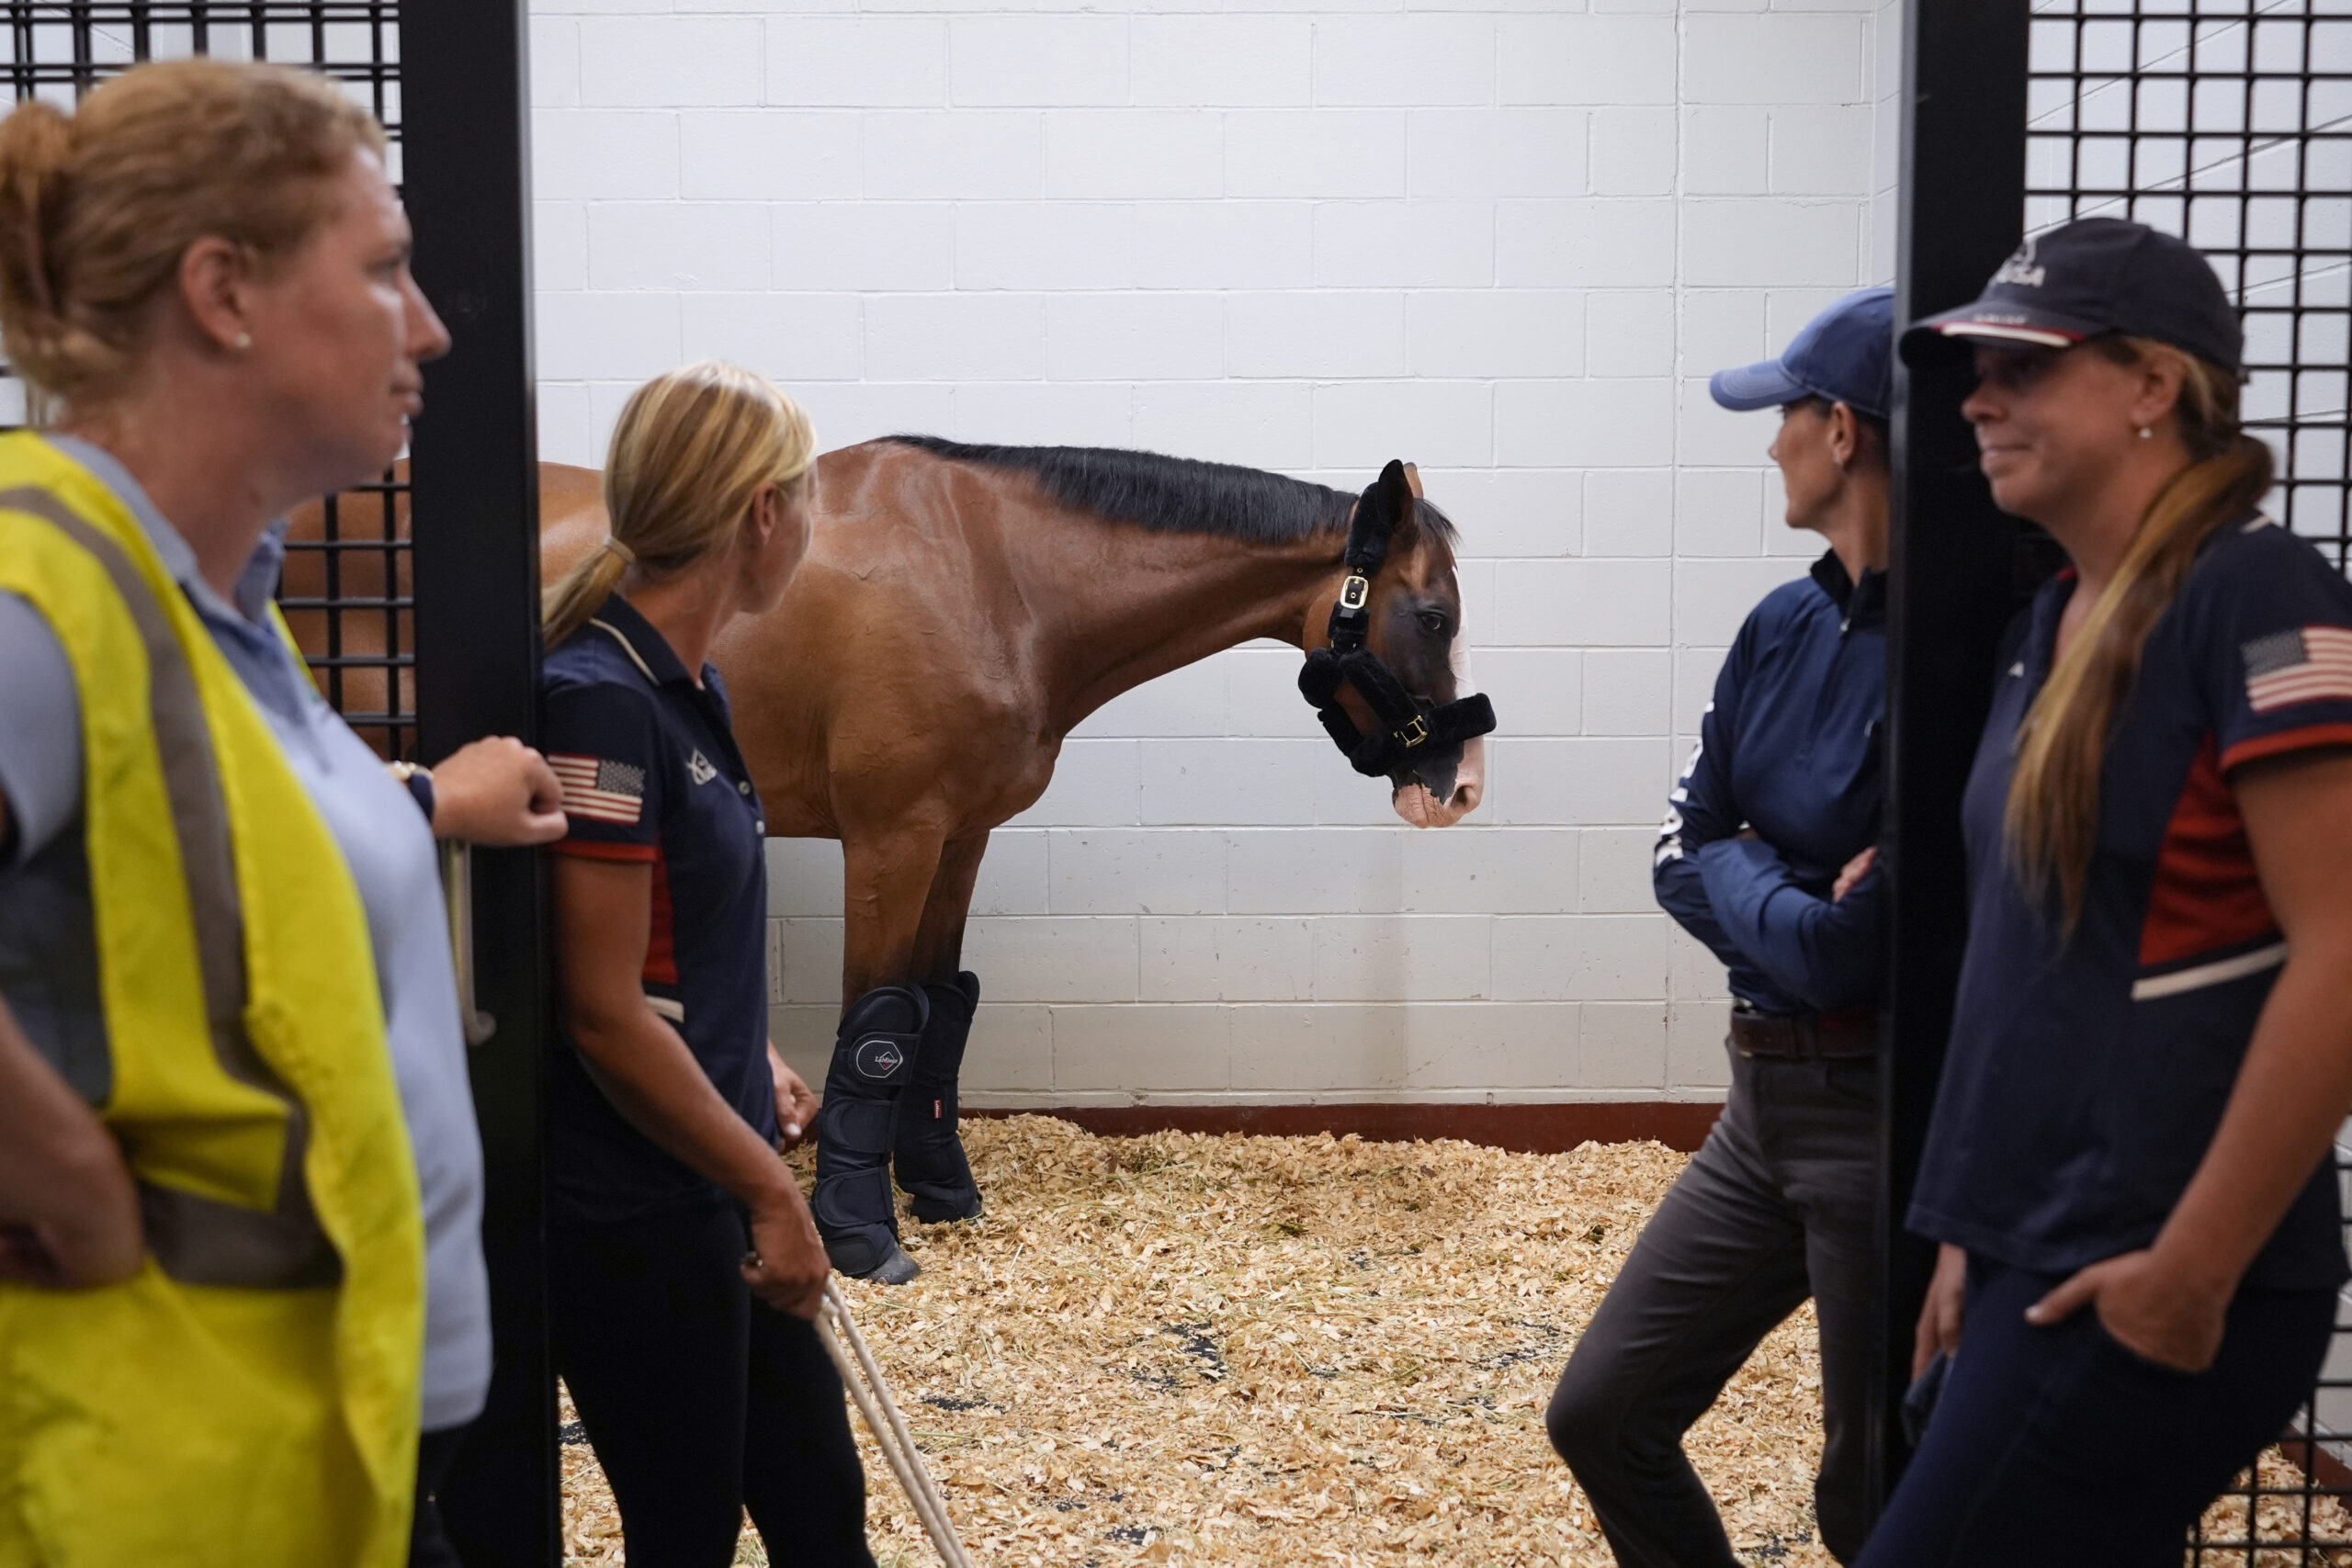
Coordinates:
(1413, 480)
(1393, 495)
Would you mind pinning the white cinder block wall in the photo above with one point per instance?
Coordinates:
(1508, 242)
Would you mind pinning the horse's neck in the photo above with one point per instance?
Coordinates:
(1143, 603)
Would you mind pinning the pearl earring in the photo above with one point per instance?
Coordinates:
(243, 341)
(2145, 433)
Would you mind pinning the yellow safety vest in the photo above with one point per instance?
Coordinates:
(248, 1399)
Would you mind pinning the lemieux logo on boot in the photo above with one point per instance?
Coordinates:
(877, 1057)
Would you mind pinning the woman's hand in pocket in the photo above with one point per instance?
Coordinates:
(1940, 1314)
(2155, 1312)
(69, 1209)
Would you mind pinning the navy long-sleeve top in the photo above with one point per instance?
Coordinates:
(1788, 750)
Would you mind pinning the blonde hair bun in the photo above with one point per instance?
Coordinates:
(35, 140)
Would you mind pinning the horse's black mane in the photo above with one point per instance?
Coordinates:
(1177, 495)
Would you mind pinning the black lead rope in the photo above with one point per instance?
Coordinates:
(1409, 728)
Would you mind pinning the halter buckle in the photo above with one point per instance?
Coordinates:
(1355, 594)
(1414, 731)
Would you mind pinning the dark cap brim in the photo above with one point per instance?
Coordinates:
(1764, 386)
(1991, 325)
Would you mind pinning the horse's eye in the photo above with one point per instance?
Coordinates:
(1434, 623)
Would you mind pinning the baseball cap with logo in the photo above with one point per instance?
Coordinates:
(1845, 353)
(2089, 278)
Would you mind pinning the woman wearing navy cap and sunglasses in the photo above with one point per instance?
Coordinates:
(1764, 856)
(2151, 1048)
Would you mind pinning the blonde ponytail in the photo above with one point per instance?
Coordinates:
(2051, 820)
(579, 594)
(692, 447)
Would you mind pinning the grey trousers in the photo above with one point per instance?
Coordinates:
(1776, 1206)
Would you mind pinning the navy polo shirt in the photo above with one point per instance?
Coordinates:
(2084, 1082)
(651, 774)
(1789, 749)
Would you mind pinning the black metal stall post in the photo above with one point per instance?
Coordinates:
(1950, 593)
(476, 509)
(2229, 122)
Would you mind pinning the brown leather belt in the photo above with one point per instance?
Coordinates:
(1805, 1036)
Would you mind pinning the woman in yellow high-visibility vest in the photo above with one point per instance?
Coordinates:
(240, 1181)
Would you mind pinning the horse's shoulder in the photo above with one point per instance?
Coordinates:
(567, 492)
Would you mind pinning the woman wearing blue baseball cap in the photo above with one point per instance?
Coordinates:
(1764, 856)
(2151, 1045)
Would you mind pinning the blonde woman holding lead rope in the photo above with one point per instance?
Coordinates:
(696, 1370)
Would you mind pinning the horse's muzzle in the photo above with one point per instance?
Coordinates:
(1438, 792)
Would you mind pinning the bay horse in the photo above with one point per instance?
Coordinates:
(960, 610)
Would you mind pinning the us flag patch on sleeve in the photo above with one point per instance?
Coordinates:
(2310, 664)
(599, 788)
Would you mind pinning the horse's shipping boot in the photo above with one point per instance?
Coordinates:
(874, 1052)
(928, 1160)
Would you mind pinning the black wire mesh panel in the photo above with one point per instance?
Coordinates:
(2229, 122)
(347, 590)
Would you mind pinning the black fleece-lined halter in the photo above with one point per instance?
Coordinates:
(1409, 724)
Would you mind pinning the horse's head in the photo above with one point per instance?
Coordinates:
(1408, 704)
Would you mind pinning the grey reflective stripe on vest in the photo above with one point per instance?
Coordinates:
(199, 1240)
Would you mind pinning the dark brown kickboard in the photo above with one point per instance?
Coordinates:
(1523, 1129)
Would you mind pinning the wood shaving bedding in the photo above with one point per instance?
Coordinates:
(1223, 1351)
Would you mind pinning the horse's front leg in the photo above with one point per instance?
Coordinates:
(928, 1160)
(885, 884)
(887, 880)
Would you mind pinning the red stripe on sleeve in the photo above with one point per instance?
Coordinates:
(662, 934)
(2206, 895)
(590, 848)
(2285, 741)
